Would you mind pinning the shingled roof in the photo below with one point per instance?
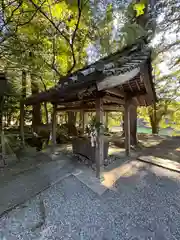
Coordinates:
(126, 72)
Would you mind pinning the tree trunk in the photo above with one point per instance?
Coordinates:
(155, 128)
(22, 111)
(72, 123)
(45, 104)
(2, 130)
(36, 109)
(153, 120)
(154, 125)
(46, 113)
(1, 112)
(9, 118)
(71, 118)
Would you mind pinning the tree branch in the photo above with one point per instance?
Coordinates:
(52, 67)
(74, 36)
(168, 47)
(8, 20)
(33, 15)
(46, 16)
(53, 45)
(44, 85)
(70, 42)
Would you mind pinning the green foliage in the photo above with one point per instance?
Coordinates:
(115, 118)
(45, 39)
(139, 8)
(95, 125)
(49, 39)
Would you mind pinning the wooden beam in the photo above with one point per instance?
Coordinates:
(100, 139)
(116, 92)
(110, 108)
(135, 101)
(54, 123)
(127, 127)
(137, 84)
(114, 99)
(75, 99)
(146, 79)
(62, 92)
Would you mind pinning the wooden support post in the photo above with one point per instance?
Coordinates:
(54, 123)
(100, 139)
(82, 120)
(127, 127)
(85, 120)
(106, 120)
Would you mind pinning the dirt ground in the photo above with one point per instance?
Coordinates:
(158, 146)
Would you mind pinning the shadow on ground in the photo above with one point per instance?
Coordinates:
(168, 147)
(144, 205)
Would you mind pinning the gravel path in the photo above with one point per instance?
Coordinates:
(145, 205)
(21, 188)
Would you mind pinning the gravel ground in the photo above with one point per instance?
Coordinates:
(143, 206)
(21, 188)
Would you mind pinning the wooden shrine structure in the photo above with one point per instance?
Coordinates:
(113, 83)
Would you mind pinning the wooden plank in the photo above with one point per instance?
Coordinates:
(113, 81)
(54, 123)
(100, 138)
(161, 162)
(127, 127)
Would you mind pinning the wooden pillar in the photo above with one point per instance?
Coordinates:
(127, 127)
(100, 138)
(66, 117)
(54, 123)
(106, 120)
(85, 119)
(82, 116)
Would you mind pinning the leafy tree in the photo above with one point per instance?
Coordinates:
(49, 39)
(50, 44)
(168, 92)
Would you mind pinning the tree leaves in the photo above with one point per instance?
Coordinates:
(139, 8)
